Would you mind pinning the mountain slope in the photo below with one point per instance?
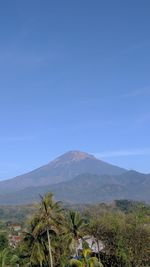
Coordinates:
(64, 168)
(88, 188)
(77, 177)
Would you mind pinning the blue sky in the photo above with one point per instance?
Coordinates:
(74, 75)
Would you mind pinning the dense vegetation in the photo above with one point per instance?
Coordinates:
(53, 233)
(16, 213)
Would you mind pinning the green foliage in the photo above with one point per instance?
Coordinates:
(16, 213)
(75, 263)
(3, 241)
(4, 256)
(46, 231)
(7, 258)
(75, 225)
(129, 206)
(126, 238)
(14, 260)
(86, 260)
(53, 234)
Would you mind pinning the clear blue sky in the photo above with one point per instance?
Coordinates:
(74, 75)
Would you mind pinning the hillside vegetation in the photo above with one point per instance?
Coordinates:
(120, 233)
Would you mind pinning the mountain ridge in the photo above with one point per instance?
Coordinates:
(76, 177)
(87, 188)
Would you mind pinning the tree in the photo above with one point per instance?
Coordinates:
(3, 241)
(75, 225)
(86, 260)
(89, 261)
(138, 239)
(51, 217)
(109, 228)
(33, 246)
(45, 231)
(4, 254)
(7, 258)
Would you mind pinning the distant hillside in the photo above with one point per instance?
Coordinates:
(21, 213)
(18, 213)
(64, 168)
(88, 188)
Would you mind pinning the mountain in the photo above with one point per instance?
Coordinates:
(77, 177)
(89, 188)
(63, 168)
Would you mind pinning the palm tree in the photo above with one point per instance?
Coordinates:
(4, 255)
(7, 258)
(75, 225)
(14, 260)
(86, 253)
(46, 227)
(89, 261)
(86, 260)
(51, 218)
(33, 245)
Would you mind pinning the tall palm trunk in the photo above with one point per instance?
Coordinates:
(49, 249)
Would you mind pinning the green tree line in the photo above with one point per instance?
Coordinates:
(53, 233)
